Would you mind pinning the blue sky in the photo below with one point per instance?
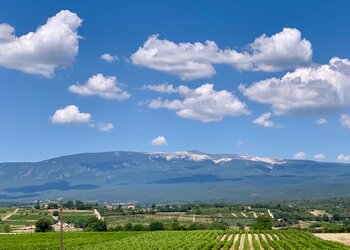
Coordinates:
(286, 78)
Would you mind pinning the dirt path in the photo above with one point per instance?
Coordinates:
(234, 215)
(98, 215)
(340, 237)
(9, 215)
(241, 245)
(234, 241)
(264, 238)
(244, 215)
(270, 236)
(256, 236)
(319, 213)
(230, 237)
(250, 239)
(271, 215)
(255, 215)
(223, 237)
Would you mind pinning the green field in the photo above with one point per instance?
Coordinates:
(30, 217)
(273, 239)
(26, 217)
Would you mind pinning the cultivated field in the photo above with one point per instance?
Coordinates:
(22, 220)
(340, 237)
(225, 240)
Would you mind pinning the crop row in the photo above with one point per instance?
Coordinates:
(206, 240)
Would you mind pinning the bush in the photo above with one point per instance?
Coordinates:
(98, 226)
(55, 213)
(7, 228)
(175, 225)
(128, 227)
(155, 226)
(95, 225)
(263, 222)
(138, 227)
(43, 225)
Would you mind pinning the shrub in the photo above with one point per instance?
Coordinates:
(138, 227)
(263, 222)
(43, 225)
(128, 227)
(95, 225)
(155, 226)
(7, 228)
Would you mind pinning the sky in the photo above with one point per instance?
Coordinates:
(260, 78)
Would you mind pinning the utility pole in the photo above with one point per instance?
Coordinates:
(61, 224)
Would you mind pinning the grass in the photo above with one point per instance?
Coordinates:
(75, 218)
(51, 240)
(28, 217)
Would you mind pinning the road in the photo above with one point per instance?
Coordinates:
(9, 215)
(97, 214)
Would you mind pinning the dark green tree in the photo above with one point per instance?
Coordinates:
(263, 222)
(155, 226)
(95, 225)
(37, 205)
(7, 228)
(43, 225)
(138, 227)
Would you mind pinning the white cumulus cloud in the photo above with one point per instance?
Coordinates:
(321, 121)
(264, 120)
(343, 158)
(109, 58)
(300, 156)
(159, 141)
(203, 103)
(162, 88)
(105, 126)
(311, 90)
(283, 50)
(345, 120)
(320, 156)
(53, 44)
(103, 86)
(70, 114)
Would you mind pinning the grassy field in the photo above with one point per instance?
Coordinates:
(225, 240)
(183, 218)
(28, 217)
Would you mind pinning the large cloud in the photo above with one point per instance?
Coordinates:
(53, 44)
(203, 103)
(196, 60)
(103, 86)
(70, 114)
(311, 90)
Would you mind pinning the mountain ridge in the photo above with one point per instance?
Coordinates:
(172, 176)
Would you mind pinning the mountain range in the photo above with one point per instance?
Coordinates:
(186, 176)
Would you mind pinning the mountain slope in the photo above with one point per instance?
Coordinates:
(177, 176)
